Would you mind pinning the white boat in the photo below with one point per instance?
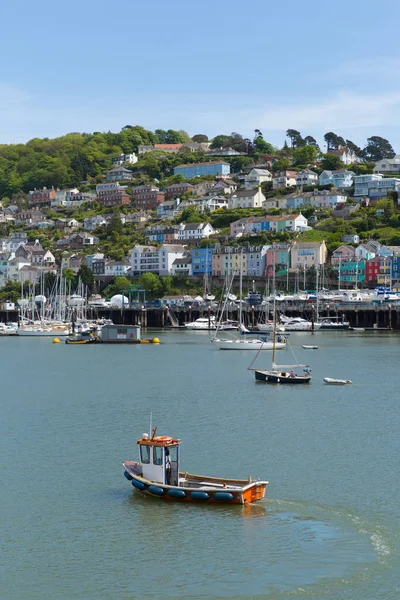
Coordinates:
(310, 347)
(269, 326)
(298, 324)
(202, 324)
(8, 329)
(43, 330)
(245, 344)
(331, 381)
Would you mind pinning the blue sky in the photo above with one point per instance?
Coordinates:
(209, 66)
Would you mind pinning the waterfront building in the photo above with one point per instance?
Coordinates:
(278, 257)
(226, 261)
(182, 266)
(199, 169)
(202, 261)
(150, 259)
(343, 254)
(308, 254)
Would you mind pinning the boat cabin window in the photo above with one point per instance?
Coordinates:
(145, 454)
(172, 451)
(157, 455)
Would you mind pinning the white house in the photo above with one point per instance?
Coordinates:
(283, 179)
(275, 203)
(63, 196)
(117, 161)
(182, 266)
(14, 267)
(306, 177)
(190, 232)
(90, 223)
(256, 177)
(117, 268)
(149, 259)
(388, 165)
(346, 155)
(211, 203)
(253, 198)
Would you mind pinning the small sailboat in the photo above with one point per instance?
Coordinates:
(157, 474)
(282, 373)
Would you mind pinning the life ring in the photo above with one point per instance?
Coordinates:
(162, 439)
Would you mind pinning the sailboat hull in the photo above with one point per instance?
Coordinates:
(283, 377)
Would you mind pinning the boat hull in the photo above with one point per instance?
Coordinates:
(248, 345)
(42, 332)
(279, 378)
(195, 488)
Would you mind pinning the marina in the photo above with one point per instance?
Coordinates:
(316, 534)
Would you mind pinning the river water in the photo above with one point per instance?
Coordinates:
(72, 528)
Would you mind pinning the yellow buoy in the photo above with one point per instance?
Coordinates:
(155, 341)
(56, 341)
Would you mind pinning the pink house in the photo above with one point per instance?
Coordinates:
(343, 254)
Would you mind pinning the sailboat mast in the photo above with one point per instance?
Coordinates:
(241, 287)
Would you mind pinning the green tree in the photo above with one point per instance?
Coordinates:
(295, 138)
(331, 162)
(152, 284)
(305, 156)
(260, 145)
(86, 276)
(115, 225)
(378, 148)
(200, 138)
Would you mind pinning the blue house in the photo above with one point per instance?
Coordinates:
(198, 169)
(295, 201)
(202, 261)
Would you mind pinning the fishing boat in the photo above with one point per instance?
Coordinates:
(157, 474)
(331, 381)
(84, 337)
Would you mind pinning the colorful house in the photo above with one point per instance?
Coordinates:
(278, 256)
(199, 169)
(308, 254)
(202, 261)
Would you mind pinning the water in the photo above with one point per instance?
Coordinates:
(72, 528)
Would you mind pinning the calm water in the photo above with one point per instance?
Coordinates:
(72, 528)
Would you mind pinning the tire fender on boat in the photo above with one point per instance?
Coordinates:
(139, 485)
(223, 497)
(199, 495)
(155, 490)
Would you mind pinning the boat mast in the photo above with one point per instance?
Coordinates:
(274, 310)
(241, 287)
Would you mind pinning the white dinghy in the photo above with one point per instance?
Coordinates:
(331, 381)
